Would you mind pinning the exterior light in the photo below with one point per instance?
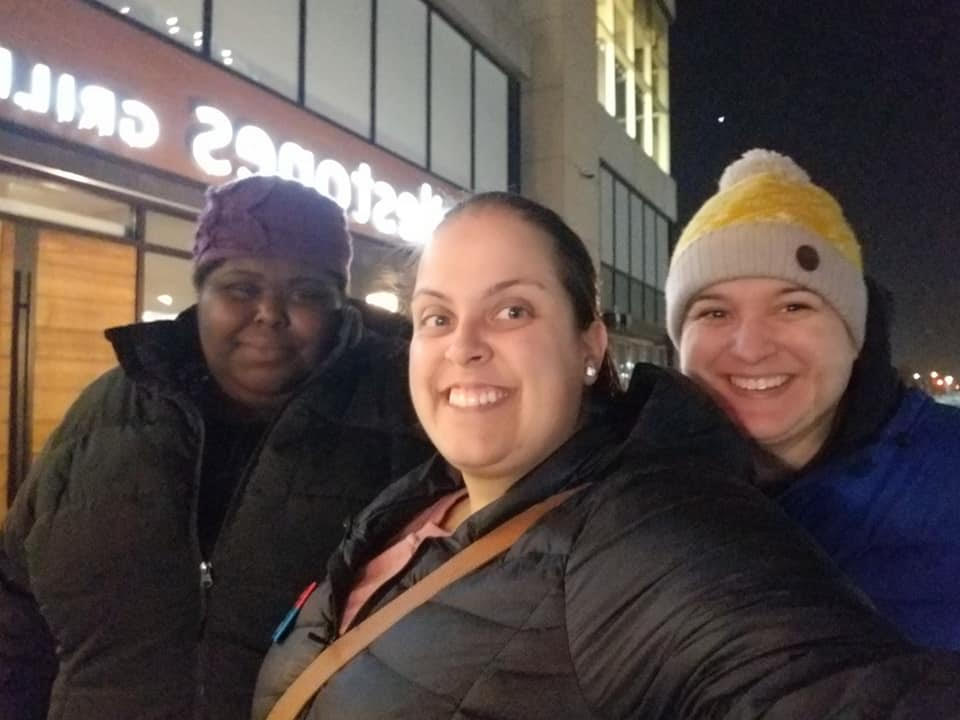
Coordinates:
(175, 29)
(385, 300)
(125, 9)
(171, 21)
(916, 376)
(948, 379)
(165, 300)
(934, 374)
(939, 382)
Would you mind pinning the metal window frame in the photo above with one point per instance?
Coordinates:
(513, 85)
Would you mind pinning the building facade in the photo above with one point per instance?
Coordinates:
(115, 116)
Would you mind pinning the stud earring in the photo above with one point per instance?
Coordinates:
(591, 372)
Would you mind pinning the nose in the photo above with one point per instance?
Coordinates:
(468, 346)
(272, 310)
(752, 340)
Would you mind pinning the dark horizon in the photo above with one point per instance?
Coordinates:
(868, 104)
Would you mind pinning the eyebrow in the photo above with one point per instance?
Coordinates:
(490, 291)
(713, 297)
(244, 273)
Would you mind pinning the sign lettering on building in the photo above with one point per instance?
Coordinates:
(219, 149)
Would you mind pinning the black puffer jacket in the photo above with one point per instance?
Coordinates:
(667, 589)
(103, 537)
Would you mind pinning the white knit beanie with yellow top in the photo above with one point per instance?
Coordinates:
(769, 220)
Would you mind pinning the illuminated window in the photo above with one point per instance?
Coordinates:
(337, 63)
(259, 40)
(401, 78)
(633, 79)
(167, 288)
(180, 20)
(450, 102)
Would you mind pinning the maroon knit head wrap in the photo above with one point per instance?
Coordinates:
(269, 217)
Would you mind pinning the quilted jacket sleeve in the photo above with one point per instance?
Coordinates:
(27, 660)
(694, 597)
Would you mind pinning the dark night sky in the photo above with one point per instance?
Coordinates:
(866, 97)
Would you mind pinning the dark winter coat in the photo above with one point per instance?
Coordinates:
(883, 497)
(102, 539)
(889, 516)
(668, 588)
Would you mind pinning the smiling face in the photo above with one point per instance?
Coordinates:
(497, 363)
(264, 323)
(776, 357)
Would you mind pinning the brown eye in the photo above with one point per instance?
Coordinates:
(241, 290)
(513, 312)
(708, 314)
(434, 320)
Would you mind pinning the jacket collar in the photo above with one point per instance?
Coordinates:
(662, 419)
(875, 390)
(167, 353)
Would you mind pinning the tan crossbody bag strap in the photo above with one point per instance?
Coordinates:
(358, 638)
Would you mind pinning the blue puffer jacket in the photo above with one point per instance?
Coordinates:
(889, 515)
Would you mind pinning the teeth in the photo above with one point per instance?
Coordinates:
(460, 397)
(759, 383)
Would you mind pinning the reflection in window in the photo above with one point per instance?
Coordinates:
(490, 135)
(169, 231)
(633, 72)
(260, 40)
(401, 78)
(167, 287)
(450, 103)
(180, 20)
(60, 204)
(337, 73)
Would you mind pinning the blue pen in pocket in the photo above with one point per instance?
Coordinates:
(284, 627)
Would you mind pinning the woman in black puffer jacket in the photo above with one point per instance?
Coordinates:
(667, 588)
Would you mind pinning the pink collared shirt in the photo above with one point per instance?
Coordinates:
(373, 575)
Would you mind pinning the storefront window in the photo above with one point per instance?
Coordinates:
(401, 78)
(381, 274)
(180, 20)
(337, 72)
(167, 287)
(59, 204)
(491, 123)
(450, 103)
(169, 231)
(260, 40)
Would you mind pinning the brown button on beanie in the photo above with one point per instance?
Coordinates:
(264, 216)
(769, 220)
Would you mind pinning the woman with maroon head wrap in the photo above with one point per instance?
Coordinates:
(192, 492)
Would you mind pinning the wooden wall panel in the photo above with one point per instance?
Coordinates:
(6, 317)
(84, 286)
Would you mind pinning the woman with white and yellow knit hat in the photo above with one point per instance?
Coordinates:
(769, 308)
